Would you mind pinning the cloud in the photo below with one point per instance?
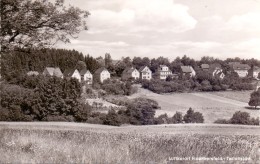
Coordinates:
(249, 22)
(137, 16)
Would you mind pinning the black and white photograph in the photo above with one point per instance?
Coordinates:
(130, 81)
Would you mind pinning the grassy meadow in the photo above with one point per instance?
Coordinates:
(103, 144)
(213, 105)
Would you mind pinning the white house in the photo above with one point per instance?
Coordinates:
(102, 74)
(86, 76)
(130, 73)
(240, 69)
(216, 71)
(72, 73)
(145, 73)
(51, 71)
(256, 71)
(204, 67)
(164, 72)
(188, 70)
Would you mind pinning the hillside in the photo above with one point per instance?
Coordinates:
(213, 105)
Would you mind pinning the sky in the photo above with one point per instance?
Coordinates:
(169, 28)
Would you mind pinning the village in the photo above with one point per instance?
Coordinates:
(144, 73)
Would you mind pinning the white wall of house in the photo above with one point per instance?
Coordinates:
(242, 73)
(218, 71)
(135, 74)
(104, 75)
(146, 74)
(88, 77)
(255, 73)
(193, 73)
(164, 72)
(76, 75)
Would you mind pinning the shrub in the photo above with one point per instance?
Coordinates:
(193, 117)
(255, 99)
(240, 118)
(162, 119)
(177, 118)
(112, 118)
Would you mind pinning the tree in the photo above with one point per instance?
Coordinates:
(37, 23)
(193, 117)
(240, 118)
(255, 99)
(81, 65)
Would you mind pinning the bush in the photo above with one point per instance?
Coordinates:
(162, 119)
(240, 118)
(177, 118)
(112, 118)
(193, 117)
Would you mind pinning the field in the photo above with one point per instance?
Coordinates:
(213, 105)
(85, 143)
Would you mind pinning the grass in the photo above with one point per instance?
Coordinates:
(102, 144)
(243, 96)
(213, 105)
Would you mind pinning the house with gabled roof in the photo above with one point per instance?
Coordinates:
(102, 74)
(240, 69)
(53, 71)
(188, 70)
(163, 72)
(216, 70)
(205, 67)
(129, 73)
(86, 76)
(145, 73)
(72, 73)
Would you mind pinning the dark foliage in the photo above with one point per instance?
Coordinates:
(193, 117)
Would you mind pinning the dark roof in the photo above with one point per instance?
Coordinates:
(69, 72)
(129, 70)
(186, 69)
(214, 66)
(54, 71)
(98, 71)
(240, 66)
(84, 71)
(142, 68)
(204, 66)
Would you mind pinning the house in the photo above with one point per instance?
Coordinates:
(145, 73)
(102, 74)
(163, 72)
(130, 73)
(53, 71)
(32, 73)
(86, 76)
(256, 71)
(216, 71)
(204, 67)
(72, 73)
(257, 85)
(187, 70)
(240, 69)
